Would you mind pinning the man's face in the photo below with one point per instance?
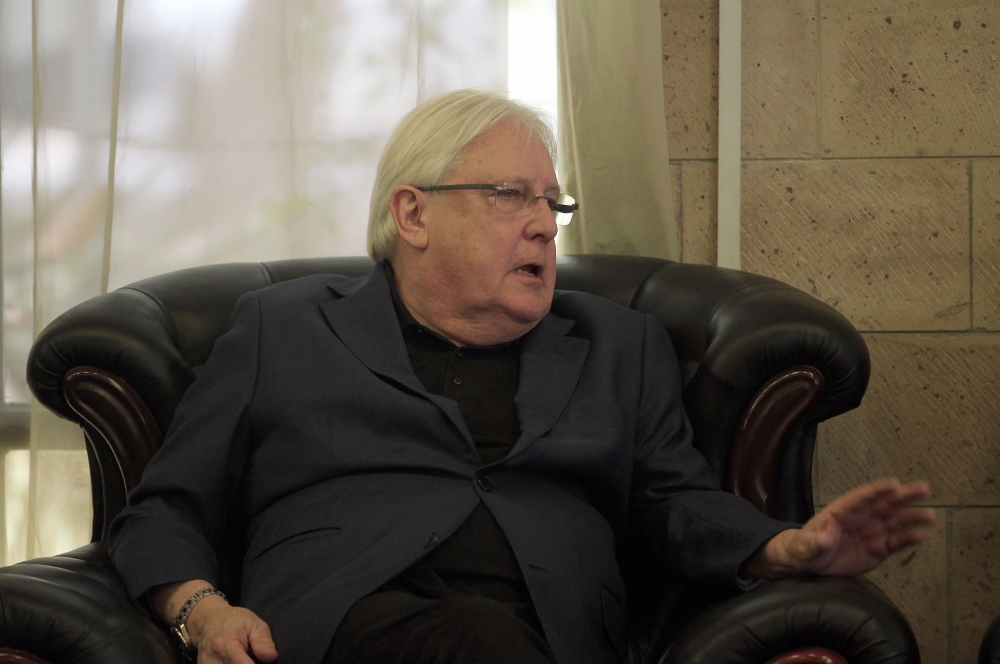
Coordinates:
(491, 265)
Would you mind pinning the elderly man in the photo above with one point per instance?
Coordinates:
(432, 463)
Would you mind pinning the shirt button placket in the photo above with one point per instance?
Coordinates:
(453, 383)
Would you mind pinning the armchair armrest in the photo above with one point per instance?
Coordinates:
(742, 329)
(73, 608)
(847, 617)
(989, 649)
(763, 363)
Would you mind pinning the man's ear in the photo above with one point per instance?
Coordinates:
(407, 209)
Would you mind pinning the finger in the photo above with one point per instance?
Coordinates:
(236, 653)
(912, 492)
(864, 496)
(899, 541)
(860, 506)
(899, 521)
(915, 517)
(261, 643)
(880, 498)
(892, 505)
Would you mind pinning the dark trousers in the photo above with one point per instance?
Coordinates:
(397, 627)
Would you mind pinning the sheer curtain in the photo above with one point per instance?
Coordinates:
(142, 137)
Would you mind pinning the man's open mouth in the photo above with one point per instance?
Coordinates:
(529, 270)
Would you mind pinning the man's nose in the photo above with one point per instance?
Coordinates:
(541, 223)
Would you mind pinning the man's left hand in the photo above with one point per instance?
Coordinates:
(851, 536)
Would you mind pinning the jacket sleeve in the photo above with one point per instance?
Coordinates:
(172, 525)
(695, 528)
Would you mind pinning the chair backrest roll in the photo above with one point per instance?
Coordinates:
(732, 331)
(157, 333)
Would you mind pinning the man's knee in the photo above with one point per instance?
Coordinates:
(479, 616)
(476, 629)
(458, 630)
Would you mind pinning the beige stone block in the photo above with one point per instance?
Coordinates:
(986, 244)
(931, 412)
(699, 196)
(909, 78)
(779, 78)
(916, 580)
(975, 578)
(690, 31)
(885, 242)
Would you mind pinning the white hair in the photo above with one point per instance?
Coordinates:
(427, 144)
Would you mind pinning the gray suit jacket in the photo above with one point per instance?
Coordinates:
(309, 431)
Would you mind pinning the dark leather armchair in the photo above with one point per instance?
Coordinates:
(763, 363)
(989, 648)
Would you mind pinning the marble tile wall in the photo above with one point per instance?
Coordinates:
(871, 179)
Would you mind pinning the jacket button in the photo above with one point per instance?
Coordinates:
(485, 484)
(431, 540)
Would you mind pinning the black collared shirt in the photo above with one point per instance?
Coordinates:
(477, 558)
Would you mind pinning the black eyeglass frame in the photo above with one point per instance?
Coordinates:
(555, 206)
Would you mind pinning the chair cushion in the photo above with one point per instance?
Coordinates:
(73, 608)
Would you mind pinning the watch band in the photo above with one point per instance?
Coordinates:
(179, 627)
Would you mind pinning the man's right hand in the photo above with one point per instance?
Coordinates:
(223, 634)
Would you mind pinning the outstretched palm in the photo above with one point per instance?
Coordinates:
(853, 535)
(860, 529)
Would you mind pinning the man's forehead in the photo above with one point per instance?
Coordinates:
(510, 154)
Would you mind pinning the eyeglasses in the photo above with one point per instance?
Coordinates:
(515, 199)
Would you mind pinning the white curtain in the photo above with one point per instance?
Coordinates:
(613, 133)
(139, 137)
(245, 130)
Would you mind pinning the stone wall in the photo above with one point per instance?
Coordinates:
(871, 179)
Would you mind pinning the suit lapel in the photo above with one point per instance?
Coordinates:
(365, 321)
(551, 363)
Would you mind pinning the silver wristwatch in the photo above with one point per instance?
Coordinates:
(179, 628)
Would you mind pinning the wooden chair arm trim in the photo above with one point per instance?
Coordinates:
(11, 656)
(110, 405)
(768, 420)
(809, 656)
